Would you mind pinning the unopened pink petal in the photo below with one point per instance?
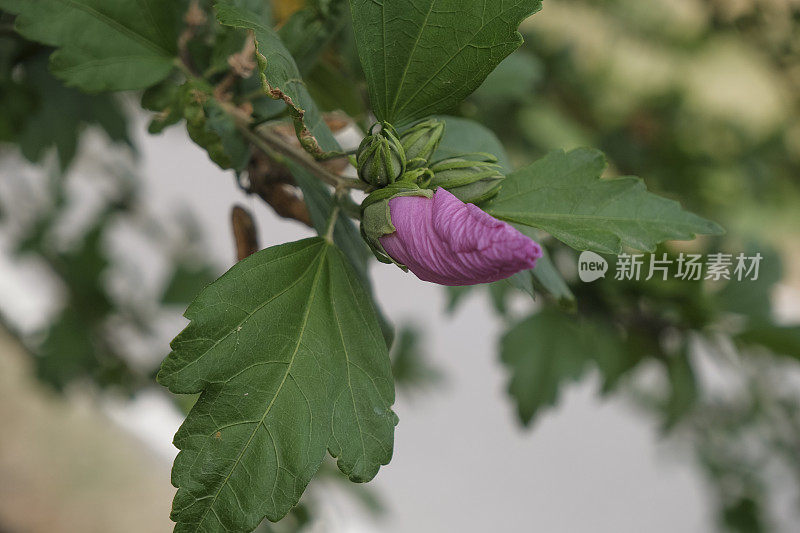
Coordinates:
(444, 241)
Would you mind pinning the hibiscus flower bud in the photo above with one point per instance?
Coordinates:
(381, 159)
(472, 181)
(445, 241)
(421, 141)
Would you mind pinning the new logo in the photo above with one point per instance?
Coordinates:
(591, 267)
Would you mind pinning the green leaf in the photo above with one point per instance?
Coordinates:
(346, 236)
(422, 57)
(288, 355)
(103, 45)
(551, 349)
(462, 135)
(281, 79)
(564, 195)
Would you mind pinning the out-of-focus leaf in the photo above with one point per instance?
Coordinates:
(309, 30)
(456, 296)
(333, 91)
(289, 357)
(104, 46)
(464, 136)
(514, 78)
(683, 392)
(743, 516)
(60, 115)
(752, 298)
(563, 195)
(782, 340)
(543, 353)
(550, 349)
(410, 366)
(186, 283)
(423, 57)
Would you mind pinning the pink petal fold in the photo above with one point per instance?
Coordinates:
(444, 241)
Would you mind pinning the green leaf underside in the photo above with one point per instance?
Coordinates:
(289, 358)
(103, 45)
(564, 195)
(547, 275)
(422, 57)
(281, 78)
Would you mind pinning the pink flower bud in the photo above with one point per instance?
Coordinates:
(446, 241)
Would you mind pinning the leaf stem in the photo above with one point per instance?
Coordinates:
(332, 224)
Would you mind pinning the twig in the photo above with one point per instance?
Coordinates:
(244, 232)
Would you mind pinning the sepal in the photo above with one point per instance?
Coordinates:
(376, 217)
(472, 178)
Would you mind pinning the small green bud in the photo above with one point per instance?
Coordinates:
(471, 181)
(421, 141)
(381, 159)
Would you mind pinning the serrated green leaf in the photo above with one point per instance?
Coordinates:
(422, 57)
(281, 78)
(287, 352)
(103, 45)
(564, 195)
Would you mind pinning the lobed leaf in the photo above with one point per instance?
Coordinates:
(563, 195)
(422, 57)
(288, 355)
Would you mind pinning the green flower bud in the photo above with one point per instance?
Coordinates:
(471, 181)
(381, 159)
(376, 219)
(421, 141)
